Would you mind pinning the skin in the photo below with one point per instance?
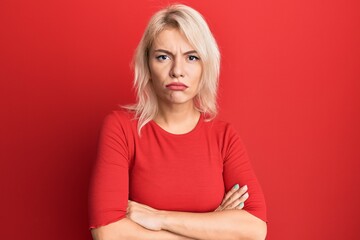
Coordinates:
(173, 59)
(144, 222)
(154, 219)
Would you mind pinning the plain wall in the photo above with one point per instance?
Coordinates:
(289, 83)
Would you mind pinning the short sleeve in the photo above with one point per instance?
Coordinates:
(108, 195)
(238, 170)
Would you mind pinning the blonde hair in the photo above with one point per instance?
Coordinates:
(194, 27)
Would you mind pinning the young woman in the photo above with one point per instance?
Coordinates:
(165, 163)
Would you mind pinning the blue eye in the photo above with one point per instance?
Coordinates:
(162, 57)
(193, 58)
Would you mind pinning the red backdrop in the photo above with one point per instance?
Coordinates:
(289, 83)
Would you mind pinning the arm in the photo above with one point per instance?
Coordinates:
(127, 229)
(109, 192)
(152, 222)
(108, 196)
(249, 223)
(150, 219)
(229, 223)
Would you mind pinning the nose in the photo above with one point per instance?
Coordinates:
(177, 69)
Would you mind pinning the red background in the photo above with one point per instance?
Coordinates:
(289, 83)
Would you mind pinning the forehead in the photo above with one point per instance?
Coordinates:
(172, 39)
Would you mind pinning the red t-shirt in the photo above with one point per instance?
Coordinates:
(188, 172)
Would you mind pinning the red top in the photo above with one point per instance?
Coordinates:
(188, 172)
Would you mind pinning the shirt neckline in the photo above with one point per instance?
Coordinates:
(191, 132)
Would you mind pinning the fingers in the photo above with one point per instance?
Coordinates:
(240, 206)
(235, 198)
(229, 193)
(240, 202)
(236, 195)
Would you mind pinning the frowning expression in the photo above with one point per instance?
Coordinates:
(175, 68)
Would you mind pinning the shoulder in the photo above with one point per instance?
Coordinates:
(120, 120)
(120, 116)
(221, 126)
(226, 136)
(226, 131)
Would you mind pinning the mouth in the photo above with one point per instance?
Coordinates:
(177, 86)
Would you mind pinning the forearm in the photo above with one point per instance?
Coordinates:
(230, 224)
(127, 229)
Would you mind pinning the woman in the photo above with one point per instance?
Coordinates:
(165, 163)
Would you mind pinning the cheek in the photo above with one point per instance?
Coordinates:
(157, 78)
(157, 72)
(197, 73)
(197, 78)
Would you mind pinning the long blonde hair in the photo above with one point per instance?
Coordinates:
(194, 27)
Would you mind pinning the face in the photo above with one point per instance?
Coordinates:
(175, 68)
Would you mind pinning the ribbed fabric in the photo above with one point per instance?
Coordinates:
(178, 172)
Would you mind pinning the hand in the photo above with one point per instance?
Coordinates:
(144, 215)
(234, 199)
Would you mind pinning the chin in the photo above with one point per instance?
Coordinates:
(179, 101)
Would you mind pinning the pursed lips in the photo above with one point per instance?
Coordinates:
(176, 86)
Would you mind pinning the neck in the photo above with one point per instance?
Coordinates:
(177, 118)
(175, 113)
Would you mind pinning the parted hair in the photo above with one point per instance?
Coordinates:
(194, 27)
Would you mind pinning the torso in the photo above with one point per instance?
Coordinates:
(179, 172)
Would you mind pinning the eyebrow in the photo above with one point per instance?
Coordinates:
(170, 53)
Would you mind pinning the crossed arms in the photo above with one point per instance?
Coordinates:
(228, 221)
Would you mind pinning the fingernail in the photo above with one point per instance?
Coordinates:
(241, 205)
(236, 187)
(245, 187)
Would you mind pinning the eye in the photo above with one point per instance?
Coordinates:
(162, 57)
(193, 58)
